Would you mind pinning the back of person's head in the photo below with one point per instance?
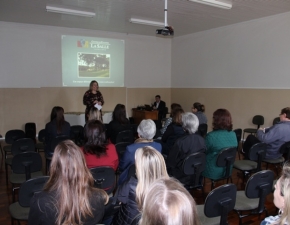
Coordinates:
(286, 111)
(72, 183)
(146, 129)
(190, 122)
(57, 115)
(167, 202)
(177, 115)
(119, 114)
(284, 206)
(174, 106)
(150, 165)
(222, 120)
(199, 107)
(95, 138)
(95, 114)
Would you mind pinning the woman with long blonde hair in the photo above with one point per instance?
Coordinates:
(150, 166)
(69, 197)
(281, 199)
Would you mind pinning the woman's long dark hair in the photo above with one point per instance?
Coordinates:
(119, 114)
(57, 115)
(95, 138)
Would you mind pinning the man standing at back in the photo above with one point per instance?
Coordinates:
(161, 107)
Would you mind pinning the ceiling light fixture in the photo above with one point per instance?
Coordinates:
(219, 4)
(70, 10)
(146, 22)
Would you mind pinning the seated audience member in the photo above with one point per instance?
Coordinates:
(150, 166)
(173, 131)
(198, 109)
(119, 123)
(274, 136)
(95, 114)
(56, 127)
(281, 199)
(167, 202)
(146, 131)
(97, 151)
(183, 147)
(221, 137)
(168, 121)
(161, 107)
(69, 196)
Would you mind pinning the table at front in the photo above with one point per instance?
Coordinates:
(140, 115)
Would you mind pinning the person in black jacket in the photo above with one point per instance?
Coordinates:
(150, 166)
(185, 146)
(161, 107)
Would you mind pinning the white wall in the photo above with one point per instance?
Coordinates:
(30, 56)
(253, 54)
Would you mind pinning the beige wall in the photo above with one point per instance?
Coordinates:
(21, 105)
(243, 104)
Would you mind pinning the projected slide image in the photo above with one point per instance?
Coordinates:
(93, 65)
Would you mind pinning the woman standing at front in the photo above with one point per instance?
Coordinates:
(91, 97)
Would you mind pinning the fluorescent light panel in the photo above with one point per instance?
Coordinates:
(214, 3)
(147, 22)
(76, 11)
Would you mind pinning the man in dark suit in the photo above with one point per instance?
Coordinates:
(161, 107)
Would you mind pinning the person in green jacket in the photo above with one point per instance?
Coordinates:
(221, 137)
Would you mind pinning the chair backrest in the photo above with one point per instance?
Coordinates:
(238, 133)
(220, 202)
(132, 171)
(105, 178)
(285, 150)
(77, 133)
(41, 135)
(276, 120)
(121, 148)
(29, 187)
(202, 129)
(136, 219)
(55, 141)
(13, 135)
(257, 153)
(30, 130)
(258, 120)
(226, 158)
(259, 186)
(194, 165)
(26, 163)
(125, 136)
(22, 145)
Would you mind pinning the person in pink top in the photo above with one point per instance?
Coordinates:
(97, 151)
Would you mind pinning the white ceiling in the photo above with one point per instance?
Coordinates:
(113, 15)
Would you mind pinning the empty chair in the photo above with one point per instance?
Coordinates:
(20, 210)
(10, 137)
(30, 131)
(257, 120)
(19, 146)
(25, 166)
(125, 136)
(218, 204)
(226, 159)
(121, 148)
(104, 177)
(238, 132)
(41, 140)
(193, 166)
(256, 155)
(253, 198)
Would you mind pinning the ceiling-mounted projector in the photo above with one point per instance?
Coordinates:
(166, 31)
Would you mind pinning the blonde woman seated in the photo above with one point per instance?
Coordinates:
(167, 202)
(95, 114)
(69, 196)
(281, 199)
(150, 166)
